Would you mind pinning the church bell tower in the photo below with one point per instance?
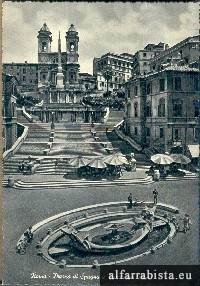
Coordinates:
(72, 40)
(44, 50)
(44, 43)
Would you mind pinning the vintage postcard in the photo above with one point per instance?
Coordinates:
(100, 112)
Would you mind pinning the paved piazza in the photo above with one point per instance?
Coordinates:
(37, 205)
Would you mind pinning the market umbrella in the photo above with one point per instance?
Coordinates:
(162, 159)
(115, 160)
(181, 159)
(97, 163)
(79, 162)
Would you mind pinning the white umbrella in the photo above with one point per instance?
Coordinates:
(115, 160)
(79, 162)
(97, 163)
(162, 159)
(181, 159)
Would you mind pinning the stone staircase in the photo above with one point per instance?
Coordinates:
(20, 118)
(50, 166)
(188, 176)
(115, 117)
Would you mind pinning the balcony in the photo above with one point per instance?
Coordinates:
(181, 120)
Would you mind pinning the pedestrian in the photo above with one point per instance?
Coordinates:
(22, 166)
(130, 200)
(56, 163)
(136, 202)
(155, 196)
(175, 222)
(186, 223)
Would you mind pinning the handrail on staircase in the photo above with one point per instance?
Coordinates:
(10, 152)
(27, 115)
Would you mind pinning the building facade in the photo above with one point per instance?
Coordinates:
(142, 58)
(44, 73)
(87, 82)
(26, 74)
(9, 113)
(186, 51)
(162, 108)
(121, 66)
(48, 61)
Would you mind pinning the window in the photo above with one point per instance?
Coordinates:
(161, 133)
(102, 83)
(196, 134)
(177, 108)
(196, 84)
(24, 70)
(129, 109)
(127, 65)
(129, 93)
(24, 78)
(149, 88)
(176, 134)
(196, 108)
(148, 109)
(71, 46)
(144, 63)
(162, 84)
(136, 91)
(148, 132)
(44, 46)
(144, 54)
(43, 76)
(161, 108)
(177, 83)
(136, 131)
(111, 85)
(136, 109)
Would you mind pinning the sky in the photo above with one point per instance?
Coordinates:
(102, 27)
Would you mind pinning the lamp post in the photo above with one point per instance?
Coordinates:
(52, 120)
(107, 73)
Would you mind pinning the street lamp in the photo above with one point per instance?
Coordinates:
(107, 73)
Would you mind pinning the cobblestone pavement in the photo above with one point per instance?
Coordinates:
(23, 208)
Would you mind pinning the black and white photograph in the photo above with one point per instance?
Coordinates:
(100, 141)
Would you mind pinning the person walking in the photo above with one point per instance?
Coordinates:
(155, 196)
(175, 222)
(130, 200)
(186, 223)
(22, 166)
(56, 163)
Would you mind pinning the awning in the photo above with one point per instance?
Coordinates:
(194, 150)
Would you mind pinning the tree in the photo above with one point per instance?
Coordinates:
(107, 73)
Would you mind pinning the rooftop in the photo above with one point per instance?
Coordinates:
(72, 28)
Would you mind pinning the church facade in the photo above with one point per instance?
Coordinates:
(48, 61)
(55, 80)
(55, 72)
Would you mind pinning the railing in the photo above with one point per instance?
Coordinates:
(183, 120)
(27, 115)
(128, 139)
(10, 152)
